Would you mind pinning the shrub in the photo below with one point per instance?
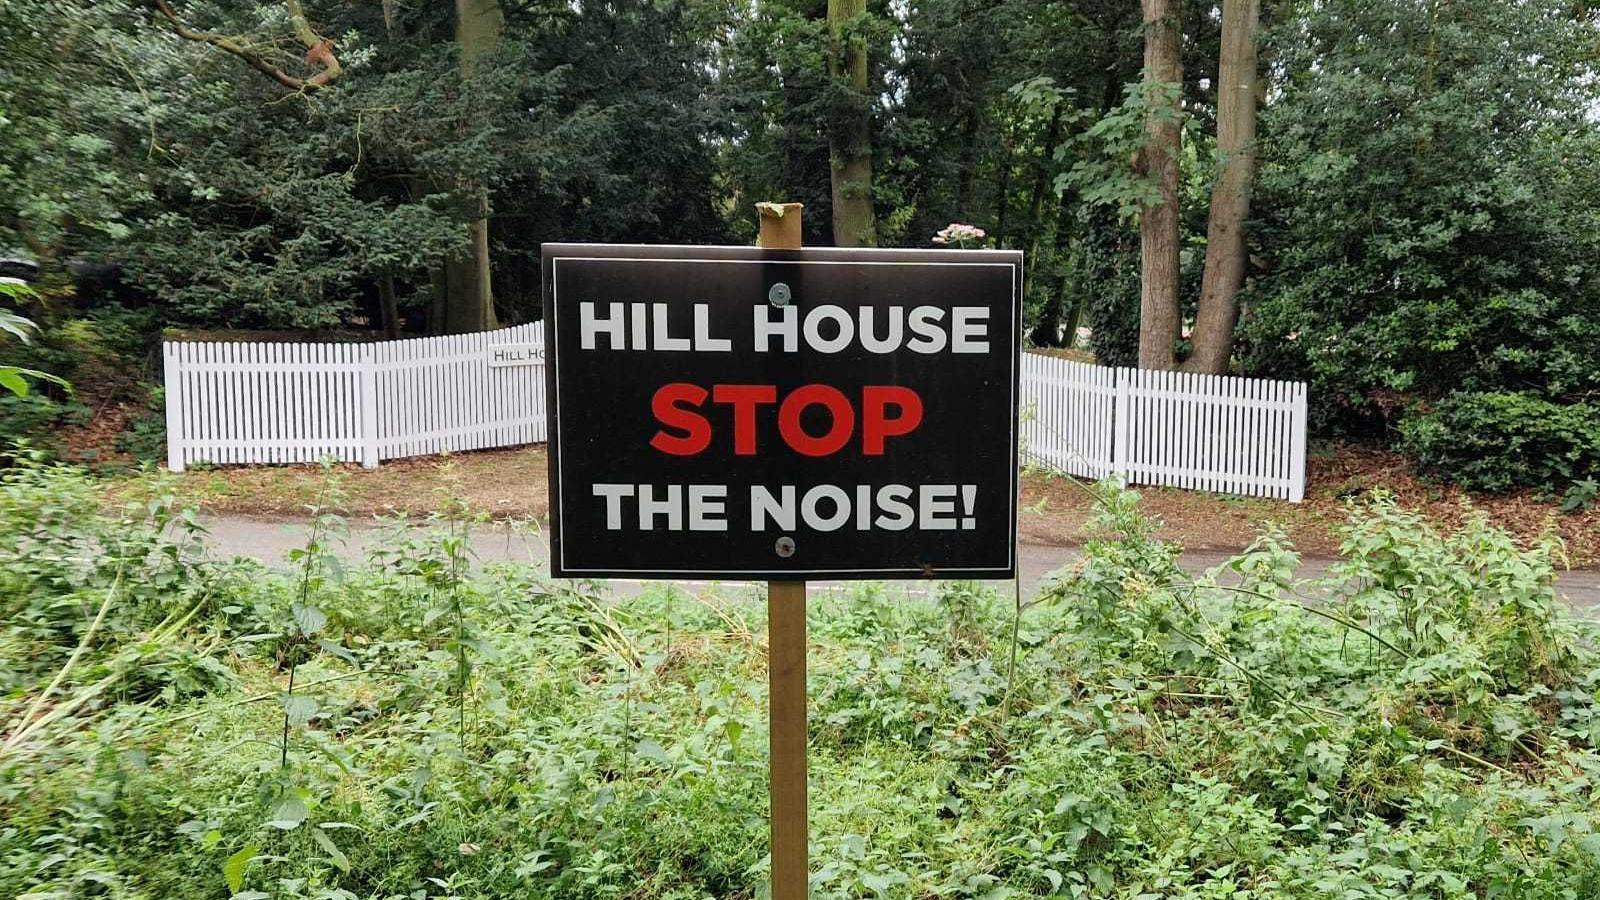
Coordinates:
(73, 575)
(146, 437)
(1106, 288)
(1498, 441)
(36, 420)
(104, 355)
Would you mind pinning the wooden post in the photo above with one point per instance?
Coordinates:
(786, 668)
(780, 226)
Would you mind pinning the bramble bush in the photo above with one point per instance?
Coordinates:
(1421, 723)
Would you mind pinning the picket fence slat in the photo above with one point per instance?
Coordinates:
(237, 402)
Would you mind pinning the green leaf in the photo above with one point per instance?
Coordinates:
(308, 619)
(18, 327)
(289, 813)
(299, 709)
(15, 288)
(332, 849)
(336, 650)
(11, 381)
(11, 377)
(233, 869)
(654, 752)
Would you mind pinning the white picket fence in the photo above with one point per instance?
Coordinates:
(236, 402)
(240, 402)
(1202, 432)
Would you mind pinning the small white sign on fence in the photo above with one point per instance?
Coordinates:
(503, 355)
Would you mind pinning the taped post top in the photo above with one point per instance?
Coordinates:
(780, 226)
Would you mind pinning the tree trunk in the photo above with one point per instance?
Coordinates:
(1041, 181)
(850, 137)
(968, 176)
(469, 298)
(1159, 318)
(1226, 255)
(1002, 210)
(1049, 332)
(388, 306)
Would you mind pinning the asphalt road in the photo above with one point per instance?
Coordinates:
(270, 541)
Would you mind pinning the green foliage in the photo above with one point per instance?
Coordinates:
(782, 99)
(13, 378)
(32, 421)
(277, 212)
(65, 95)
(1102, 175)
(104, 352)
(1107, 289)
(102, 597)
(1581, 495)
(231, 201)
(1428, 193)
(1425, 217)
(1499, 441)
(1424, 727)
(146, 437)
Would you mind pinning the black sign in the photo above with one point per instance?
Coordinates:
(740, 412)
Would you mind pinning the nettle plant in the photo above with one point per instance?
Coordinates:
(96, 604)
(1473, 618)
(1440, 643)
(413, 629)
(436, 564)
(298, 637)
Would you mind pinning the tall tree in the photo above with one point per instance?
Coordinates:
(469, 298)
(850, 134)
(1159, 313)
(1226, 256)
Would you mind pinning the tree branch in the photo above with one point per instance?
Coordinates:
(319, 50)
(238, 48)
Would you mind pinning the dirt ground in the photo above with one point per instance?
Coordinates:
(511, 484)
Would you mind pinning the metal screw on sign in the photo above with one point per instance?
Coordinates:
(779, 294)
(784, 547)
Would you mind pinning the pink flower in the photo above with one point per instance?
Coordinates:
(957, 233)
